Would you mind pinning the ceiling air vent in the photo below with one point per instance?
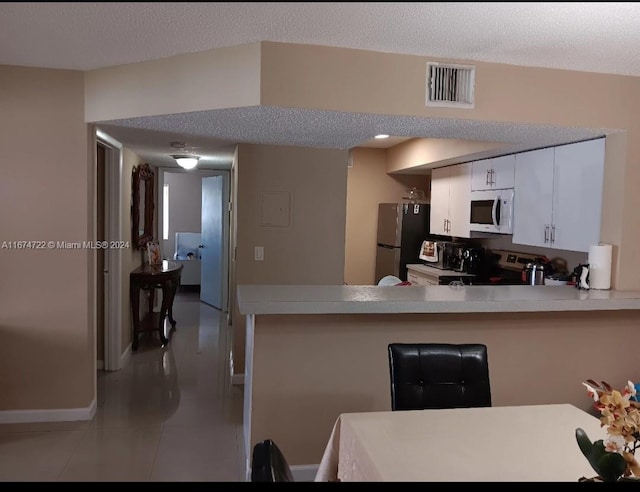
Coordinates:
(450, 86)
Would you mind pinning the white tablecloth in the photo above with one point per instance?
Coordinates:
(523, 443)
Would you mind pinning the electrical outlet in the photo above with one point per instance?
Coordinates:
(258, 254)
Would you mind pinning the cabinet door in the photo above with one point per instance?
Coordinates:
(577, 195)
(439, 200)
(481, 175)
(532, 198)
(503, 175)
(414, 278)
(460, 200)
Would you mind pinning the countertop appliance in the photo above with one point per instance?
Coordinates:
(401, 229)
(469, 260)
(492, 211)
(534, 272)
(438, 254)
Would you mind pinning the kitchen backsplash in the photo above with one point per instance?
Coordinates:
(503, 242)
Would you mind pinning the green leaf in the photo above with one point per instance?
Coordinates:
(584, 442)
(609, 466)
(612, 466)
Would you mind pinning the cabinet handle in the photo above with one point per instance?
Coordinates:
(546, 233)
(444, 225)
(486, 181)
(448, 225)
(493, 173)
(553, 234)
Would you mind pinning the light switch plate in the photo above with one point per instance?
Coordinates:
(258, 254)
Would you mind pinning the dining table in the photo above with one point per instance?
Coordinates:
(529, 443)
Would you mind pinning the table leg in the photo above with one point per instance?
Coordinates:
(163, 312)
(173, 287)
(134, 294)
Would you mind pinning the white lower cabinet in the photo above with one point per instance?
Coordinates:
(558, 196)
(420, 278)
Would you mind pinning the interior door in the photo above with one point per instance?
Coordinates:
(211, 249)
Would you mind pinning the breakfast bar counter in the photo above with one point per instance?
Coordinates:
(316, 352)
(344, 299)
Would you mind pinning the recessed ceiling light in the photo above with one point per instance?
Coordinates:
(381, 136)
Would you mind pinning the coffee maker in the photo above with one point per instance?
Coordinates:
(468, 259)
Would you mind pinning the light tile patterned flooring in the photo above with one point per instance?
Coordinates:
(169, 415)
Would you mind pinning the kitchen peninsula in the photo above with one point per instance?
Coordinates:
(314, 352)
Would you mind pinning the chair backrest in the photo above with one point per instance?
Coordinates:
(268, 464)
(438, 375)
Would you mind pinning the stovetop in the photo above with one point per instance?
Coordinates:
(504, 268)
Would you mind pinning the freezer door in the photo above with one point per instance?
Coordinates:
(389, 224)
(387, 263)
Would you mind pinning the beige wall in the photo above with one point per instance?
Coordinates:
(308, 251)
(185, 207)
(369, 82)
(131, 257)
(213, 79)
(47, 354)
(416, 154)
(534, 358)
(368, 184)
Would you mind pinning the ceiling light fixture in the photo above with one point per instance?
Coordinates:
(381, 136)
(186, 161)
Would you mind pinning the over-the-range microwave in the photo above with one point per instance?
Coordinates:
(492, 211)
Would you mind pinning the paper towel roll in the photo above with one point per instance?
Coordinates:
(600, 266)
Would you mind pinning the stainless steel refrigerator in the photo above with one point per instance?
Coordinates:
(401, 229)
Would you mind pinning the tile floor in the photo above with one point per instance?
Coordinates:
(169, 415)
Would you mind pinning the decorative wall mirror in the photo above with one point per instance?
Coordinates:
(142, 204)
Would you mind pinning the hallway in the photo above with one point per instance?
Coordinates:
(169, 415)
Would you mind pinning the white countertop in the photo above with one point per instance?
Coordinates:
(362, 299)
(437, 272)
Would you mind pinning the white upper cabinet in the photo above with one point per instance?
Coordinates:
(480, 174)
(558, 196)
(577, 195)
(450, 196)
(493, 174)
(533, 198)
(460, 200)
(439, 201)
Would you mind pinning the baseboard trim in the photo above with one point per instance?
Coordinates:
(52, 415)
(100, 365)
(126, 355)
(304, 473)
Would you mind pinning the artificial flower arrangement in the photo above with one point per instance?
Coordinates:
(613, 458)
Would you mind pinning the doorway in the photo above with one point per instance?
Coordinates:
(108, 268)
(193, 222)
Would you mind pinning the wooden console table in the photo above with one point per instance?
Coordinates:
(149, 277)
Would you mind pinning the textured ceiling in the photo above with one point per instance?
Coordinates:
(598, 37)
(313, 128)
(586, 36)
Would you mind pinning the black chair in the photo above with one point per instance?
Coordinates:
(438, 375)
(268, 464)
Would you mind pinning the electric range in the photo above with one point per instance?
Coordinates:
(504, 268)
